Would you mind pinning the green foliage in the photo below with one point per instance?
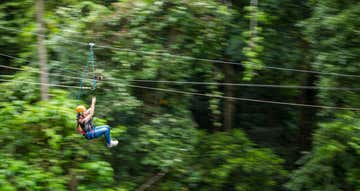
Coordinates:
(17, 14)
(167, 140)
(179, 137)
(194, 29)
(253, 48)
(18, 175)
(164, 144)
(43, 135)
(333, 163)
(231, 161)
(331, 31)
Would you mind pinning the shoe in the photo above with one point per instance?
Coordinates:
(113, 143)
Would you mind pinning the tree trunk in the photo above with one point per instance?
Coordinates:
(42, 50)
(307, 116)
(229, 104)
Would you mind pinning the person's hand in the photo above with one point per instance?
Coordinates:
(93, 98)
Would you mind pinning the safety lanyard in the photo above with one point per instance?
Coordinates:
(86, 71)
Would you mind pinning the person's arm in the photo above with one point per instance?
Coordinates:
(90, 111)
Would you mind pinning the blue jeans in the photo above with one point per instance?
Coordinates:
(99, 131)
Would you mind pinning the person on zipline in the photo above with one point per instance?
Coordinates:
(85, 125)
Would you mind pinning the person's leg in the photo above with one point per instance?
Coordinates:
(99, 131)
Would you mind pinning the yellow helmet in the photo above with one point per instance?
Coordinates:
(80, 109)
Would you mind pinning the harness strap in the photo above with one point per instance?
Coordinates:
(84, 128)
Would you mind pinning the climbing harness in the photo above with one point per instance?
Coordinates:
(85, 127)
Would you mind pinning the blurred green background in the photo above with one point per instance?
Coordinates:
(169, 68)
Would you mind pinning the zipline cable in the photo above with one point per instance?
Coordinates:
(246, 99)
(246, 85)
(191, 82)
(227, 97)
(38, 83)
(39, 72)
(28, 61)
(204, 83)
(188, 57)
